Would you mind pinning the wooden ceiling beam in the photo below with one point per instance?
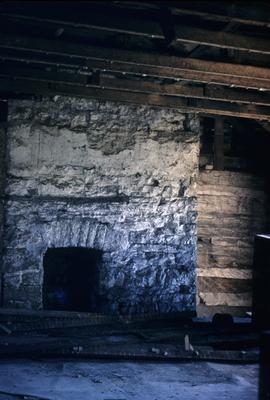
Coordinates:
(200, 92)
(214, 11)
(153, 29)
(42, 62)
(31, 86)
(155, 72)
(242, 12)
(222, 11)
(103, 22)
(220, 39)
(48, 74)
(175, 89)
(146, 63)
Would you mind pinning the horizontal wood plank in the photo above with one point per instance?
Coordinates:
(241, 13)
(231, 179)
(209, 311)
(226, 299)
(231, 210)
(225, 11)
(146, 63)
(233, 273)
(218, 11)
(32, 86)
(152, 29)
(223, 285)
(175, 89)
(222, 39)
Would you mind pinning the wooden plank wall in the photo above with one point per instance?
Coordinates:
(231, 210)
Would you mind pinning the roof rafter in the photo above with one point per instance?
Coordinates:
(202, 91)
(146, 63)
(153, 29)
(216, 11)
(34, 86)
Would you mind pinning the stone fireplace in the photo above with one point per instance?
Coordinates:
(103, 180)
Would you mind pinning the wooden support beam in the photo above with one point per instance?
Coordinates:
(224, 40)
(200, 50)
(224, 285)
(226, 299)
(31, 86)
(77, 64)
(218, 11)
(182, 74)
(145, 63)
(264, 383)
(224, 11)
(152, 29)
(221, 11)
(202, 92)
(136, 58)
(208, 311)
(46, 74)
(98, 21)
(219, 144)
(81, 64)
(228, 273)
(175, 89)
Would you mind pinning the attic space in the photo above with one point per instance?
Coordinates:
(134, 200)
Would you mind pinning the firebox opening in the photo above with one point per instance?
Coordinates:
(71, 279)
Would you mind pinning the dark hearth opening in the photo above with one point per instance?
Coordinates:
(71, 279)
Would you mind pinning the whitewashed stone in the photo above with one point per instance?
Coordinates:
(117, 178)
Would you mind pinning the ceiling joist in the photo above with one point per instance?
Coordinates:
(32, 86)
(220, 11)
(202, 91)
(153, 29)
(146, 63)
(81, 50)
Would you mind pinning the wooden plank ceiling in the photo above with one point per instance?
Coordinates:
(204, 56)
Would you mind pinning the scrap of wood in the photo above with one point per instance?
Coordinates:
(187, 344)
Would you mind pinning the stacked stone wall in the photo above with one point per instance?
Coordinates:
(118, 178)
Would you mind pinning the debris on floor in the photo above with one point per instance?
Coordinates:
(143, 337)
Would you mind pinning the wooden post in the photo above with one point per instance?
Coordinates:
(264, 381)
(261, 282)
(219, 145)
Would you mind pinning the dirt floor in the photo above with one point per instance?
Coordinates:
(101, 380)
